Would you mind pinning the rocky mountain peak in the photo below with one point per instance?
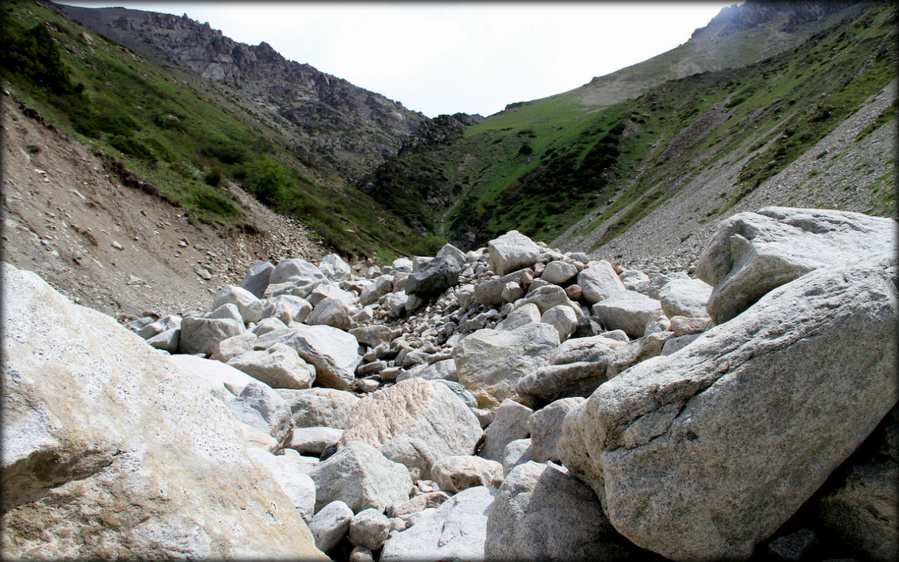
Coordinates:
(328, 114)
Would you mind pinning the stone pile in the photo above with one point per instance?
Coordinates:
(518, 402)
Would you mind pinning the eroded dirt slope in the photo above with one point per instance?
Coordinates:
(68, 217)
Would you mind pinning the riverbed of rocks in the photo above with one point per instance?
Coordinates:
(512, 402)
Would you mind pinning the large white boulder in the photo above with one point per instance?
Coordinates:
(598, 282)
(752, 253)
(320, 407)
(628, 311)
(415, 422)
(511, 251)
(705, 453)
(489, 363)
(279, 366)
(102, 432)
(454, 531)
(247, 303)
(360, 476)
(333, 352)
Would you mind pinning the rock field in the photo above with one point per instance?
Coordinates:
(512, 402)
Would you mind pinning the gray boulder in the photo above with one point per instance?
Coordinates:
(752, 253)
(333, 352)
(541, 512)
(511, 251)
(331, 524)
(454, 531)
(526, 314)
(360, 476)
(331, 312)
(369, 528)
(319, 407)
(559, 272)
(257, 278)
(312, 441)
(202, 335)
(457, 473)
(416, 423)
(103, 433)
(223, 381)
(545, 428)
(782, 393)
(263, 409)
(279, 366)
(247, 303)
(296, 271)
(434, 277)
(490, 362)
(234, 346)
(288, 472)
(628, 311)
(562, 318)
(598, 282)
(335, 269)
(510, 423)
(685, 297)
(516, 452)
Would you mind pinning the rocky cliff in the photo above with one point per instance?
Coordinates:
(350, 127)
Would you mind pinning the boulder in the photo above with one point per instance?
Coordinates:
(247, 303)
(490, 292)
(263, 409)
(169, 340)
(381, 286)
(466, 397)
(628, 311)
(562, 318)
(752, 253)
(369, 529)
(450, 250)
(102, 432)
(324, 291)
(755, 413)
(541, 512)
(296, 271)
(545, 428)
(489, 363)
(279, 366)
(223, 381)
(526, 314)
(287, 309)
(548, 296)
(510, 423)
(511, 251)
(291, 476)
(599, 282)
(335, 269)
(230, 348)
(331, 312)
(314, 440)
(559, 272)
(373, 335)
(434, 277)
(257, 278)
(360, 476)
(416, 423)
(685, 297)
(454, 531)
(457, 473)
(320, 407)
(331, 524)
(333, 352)
(202, 335)
(516, 452)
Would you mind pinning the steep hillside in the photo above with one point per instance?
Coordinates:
(336, 122)
(181, 136)
(541, 166)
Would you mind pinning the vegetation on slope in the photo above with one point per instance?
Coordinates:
(183, 134)
(540, 166)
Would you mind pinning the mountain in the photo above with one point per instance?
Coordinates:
(195, 143)
(337, 123)
(747, 96)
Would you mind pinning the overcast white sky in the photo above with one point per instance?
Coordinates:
(447, 57)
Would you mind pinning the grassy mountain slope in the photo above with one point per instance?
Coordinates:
(540, 166)
(184, 136)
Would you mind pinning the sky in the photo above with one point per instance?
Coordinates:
(449, 57)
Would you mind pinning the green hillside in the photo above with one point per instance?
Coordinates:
(184, 135)
(542, 165)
